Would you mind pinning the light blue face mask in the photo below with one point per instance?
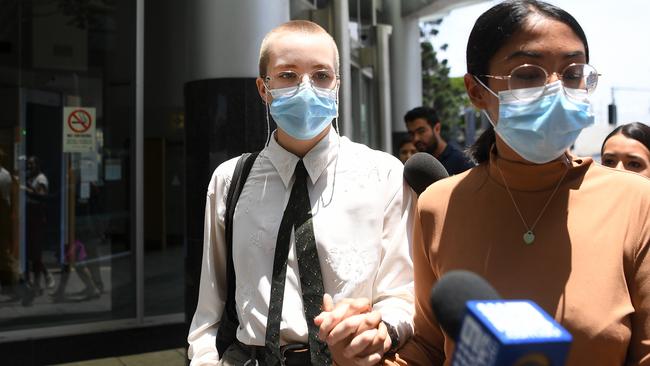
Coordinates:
(303, 111)
(541, 130)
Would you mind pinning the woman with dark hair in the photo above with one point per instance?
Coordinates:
(628, 148)
(547, 226)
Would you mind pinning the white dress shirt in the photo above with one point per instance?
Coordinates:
(361, 216)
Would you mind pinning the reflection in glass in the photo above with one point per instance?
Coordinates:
(66, 250)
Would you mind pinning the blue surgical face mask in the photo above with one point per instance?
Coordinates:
(541, 130)
(303, 111)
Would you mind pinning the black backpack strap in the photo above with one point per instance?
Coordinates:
(242, 169)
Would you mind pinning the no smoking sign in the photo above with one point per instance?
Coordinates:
(78, 129)
(80, 121)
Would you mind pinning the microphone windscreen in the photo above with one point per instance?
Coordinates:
(421, 170)
(450, 295)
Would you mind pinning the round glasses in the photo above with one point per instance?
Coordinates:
(323, 79)
(578, 81)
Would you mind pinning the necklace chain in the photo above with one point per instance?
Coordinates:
(529, 237)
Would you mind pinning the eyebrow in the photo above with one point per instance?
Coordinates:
(286, 66)
(574, 54)
(322, 66)
(535, 54)
(293, 66)
(634, 156)
(629, 155)
(520, 53)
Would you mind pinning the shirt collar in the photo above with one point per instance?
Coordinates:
(316, 160)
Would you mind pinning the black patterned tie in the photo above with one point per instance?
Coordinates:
(297, 215)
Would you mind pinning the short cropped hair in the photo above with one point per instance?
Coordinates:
(296, 26)
(427, 113)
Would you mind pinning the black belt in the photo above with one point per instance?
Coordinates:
(294, 354)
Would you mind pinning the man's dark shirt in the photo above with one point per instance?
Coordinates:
(454, 160)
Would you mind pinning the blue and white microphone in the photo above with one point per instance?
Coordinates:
(490, 331)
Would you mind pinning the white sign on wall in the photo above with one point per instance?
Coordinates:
(78, 129)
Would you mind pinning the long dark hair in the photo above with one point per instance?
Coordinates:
(492, 30)
(635, 130)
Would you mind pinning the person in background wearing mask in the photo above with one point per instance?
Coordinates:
(627, 147)
(424, 127)
(560, 230)
(406, 149)
(350, 213)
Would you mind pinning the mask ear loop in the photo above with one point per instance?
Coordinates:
(487, 115)
(484, 111)
(336, 119)
(336, 125)
(485, 86)
(336, 159)
(266, 108)
(338, 152)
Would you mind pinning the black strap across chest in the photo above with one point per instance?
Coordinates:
(229, 320)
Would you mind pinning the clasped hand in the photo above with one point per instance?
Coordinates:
(355, 334)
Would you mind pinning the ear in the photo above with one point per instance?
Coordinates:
(476, 92)
(261, 89)
(437, 127)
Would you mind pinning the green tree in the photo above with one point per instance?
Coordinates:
(447, 95)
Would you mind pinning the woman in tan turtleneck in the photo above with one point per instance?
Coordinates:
(534, 221)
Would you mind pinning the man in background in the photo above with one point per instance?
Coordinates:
(424, 127)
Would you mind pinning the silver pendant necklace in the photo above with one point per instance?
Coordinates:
(529, 235)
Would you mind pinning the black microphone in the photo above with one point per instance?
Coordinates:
(450, 295)
(421, 170)
(489, 331)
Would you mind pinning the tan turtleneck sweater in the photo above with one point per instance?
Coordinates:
(588, 266)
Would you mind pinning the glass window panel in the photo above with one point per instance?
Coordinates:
(66, 248)
(164, 125)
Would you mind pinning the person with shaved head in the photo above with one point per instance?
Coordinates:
(320, 242)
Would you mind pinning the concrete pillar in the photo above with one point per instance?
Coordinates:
(224, 37)
(406, 67)
(383, 77)
(224, 115)
(342, 38)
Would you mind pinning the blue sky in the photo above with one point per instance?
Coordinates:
(618, 32)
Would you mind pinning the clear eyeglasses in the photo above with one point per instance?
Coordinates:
(578, 80)
(288, 82)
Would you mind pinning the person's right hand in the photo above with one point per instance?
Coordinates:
(332, 315)
(354, 334)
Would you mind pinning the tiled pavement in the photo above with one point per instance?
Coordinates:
(173, 357)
